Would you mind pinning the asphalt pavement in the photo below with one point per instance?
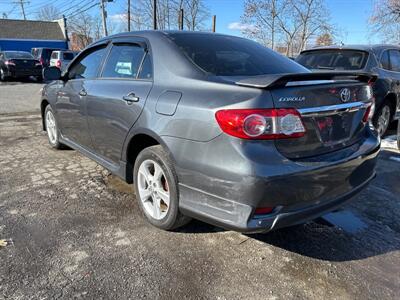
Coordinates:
(75, 231)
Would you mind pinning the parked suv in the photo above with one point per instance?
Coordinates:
(61, 58)
(43, 55)
(215, 127)
(383, 60)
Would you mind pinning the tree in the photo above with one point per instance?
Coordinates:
(324, 39)
(195, 14)
(313, 17)
(385, 20)
(83, 26)
(262, 15)
(49, 13)
(292, 22)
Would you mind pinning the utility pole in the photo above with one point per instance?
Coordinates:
(22, 2)
(180, 21)
(155, 14)
(104, 16)
(214, 22)
(129, 15)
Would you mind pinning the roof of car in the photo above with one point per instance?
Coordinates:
(155, 33)
(355, 47)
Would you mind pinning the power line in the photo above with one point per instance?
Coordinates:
(83, 4)
(21, 3)
(81, 11)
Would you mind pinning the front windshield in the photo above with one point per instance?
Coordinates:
(333, 59)
(17, 55)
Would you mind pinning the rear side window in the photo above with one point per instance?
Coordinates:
(68, 56)
(385, 62)
(88, 64)
(147, 68)
(54, 55)
(123, 61)
(394, 60)
(232, 56)
(334, 59)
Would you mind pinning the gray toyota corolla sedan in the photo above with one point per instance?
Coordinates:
(215, 127)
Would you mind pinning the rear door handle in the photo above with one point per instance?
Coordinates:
(131, 97)
(82, 92)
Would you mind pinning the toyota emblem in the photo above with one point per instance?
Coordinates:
(345, 95)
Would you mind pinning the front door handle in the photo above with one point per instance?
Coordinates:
(82, 92)
(131, 97)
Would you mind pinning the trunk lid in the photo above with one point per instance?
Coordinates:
(24, 63)
(332, 107)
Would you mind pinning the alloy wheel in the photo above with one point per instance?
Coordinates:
(383, 120)
(153, 189)
(51, 127)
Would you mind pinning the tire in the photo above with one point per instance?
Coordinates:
(52, 130)
(151, 193)
(382, 119)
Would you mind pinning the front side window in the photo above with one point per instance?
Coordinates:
(88, 65)
(385, 62)
(394, 60)
(123, 61)
(68, 55)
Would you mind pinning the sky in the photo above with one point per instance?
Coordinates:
(349, 16)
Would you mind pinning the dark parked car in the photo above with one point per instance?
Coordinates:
(19, 64)
(383, 60)
(43, 55)
(215, 127)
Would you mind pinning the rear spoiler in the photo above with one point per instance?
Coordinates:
(280, 80)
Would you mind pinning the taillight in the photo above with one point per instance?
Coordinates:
(38, 63)
(41, 61)
(369, 112)
(58, 64)
(262, 124)
(9, 63)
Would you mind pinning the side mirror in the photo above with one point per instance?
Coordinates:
(51, 73)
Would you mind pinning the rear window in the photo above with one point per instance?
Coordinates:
(17, 55)
(232, 56)
(54, 55)
(334, 59)
(68, 55)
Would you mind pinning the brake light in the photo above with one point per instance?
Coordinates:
(261, 124)
(9, 63)
(369, 112)
(41, 61)
(58, 63)
(38, 63)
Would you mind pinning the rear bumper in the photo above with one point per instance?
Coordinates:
(242, 179)
(17, 73)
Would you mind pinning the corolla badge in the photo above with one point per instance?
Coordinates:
(345, 95)
(292, 99)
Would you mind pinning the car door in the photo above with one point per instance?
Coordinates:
(71, 97)
(116, 99)
(394, 58)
